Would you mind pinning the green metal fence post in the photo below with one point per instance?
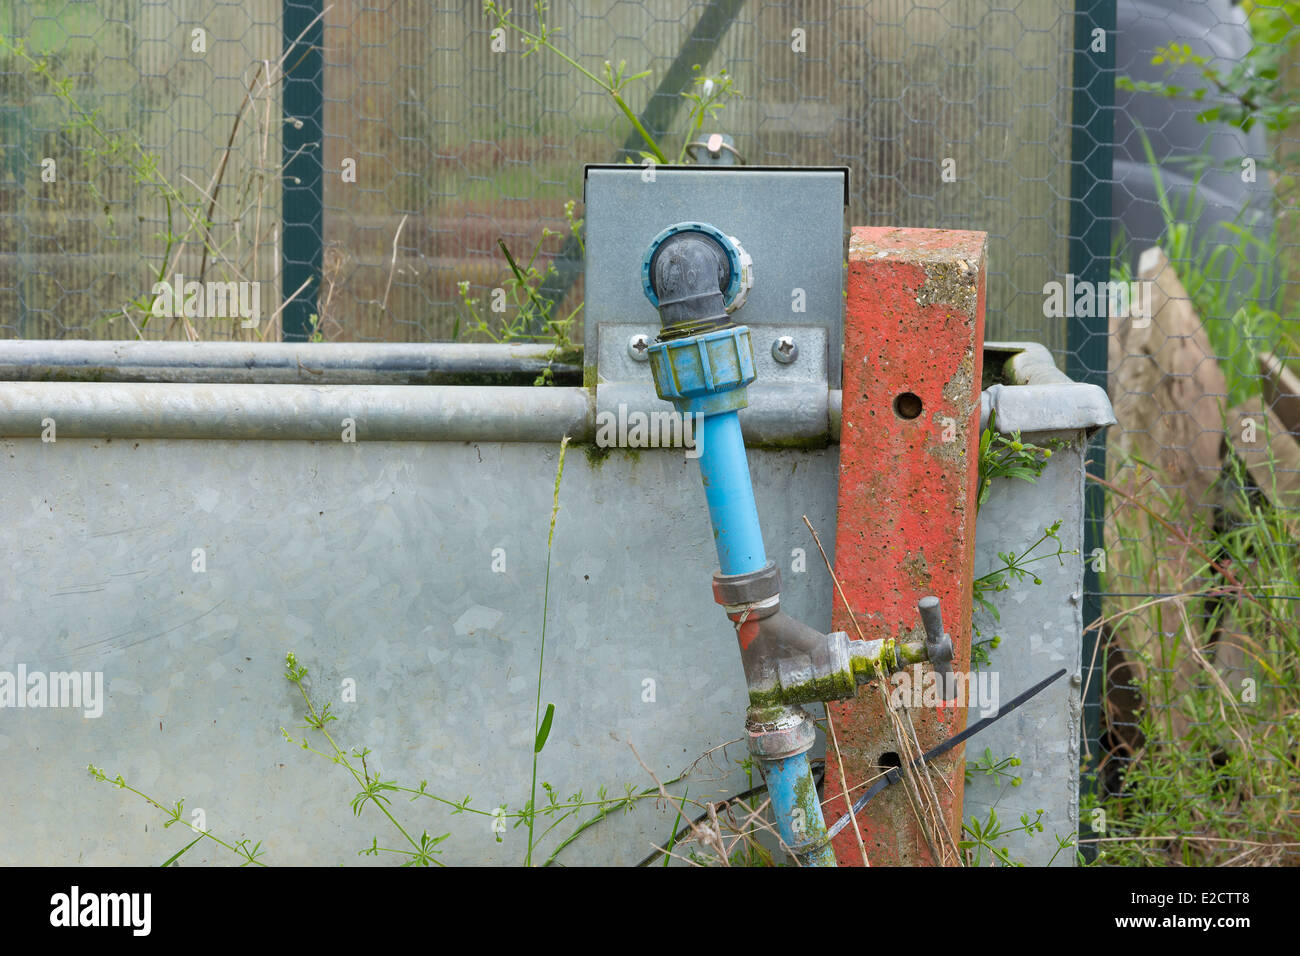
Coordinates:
(1091, 176)
(302, 175)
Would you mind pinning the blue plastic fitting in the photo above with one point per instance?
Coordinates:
(704, 373)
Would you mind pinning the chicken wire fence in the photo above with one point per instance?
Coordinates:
(358, 164)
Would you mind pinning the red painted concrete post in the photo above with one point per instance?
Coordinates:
(909, 457)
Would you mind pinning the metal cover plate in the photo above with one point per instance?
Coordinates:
(790, 221)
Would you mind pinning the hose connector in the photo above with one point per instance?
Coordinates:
(696, 276)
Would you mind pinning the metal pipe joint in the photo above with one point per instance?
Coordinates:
(787, 662)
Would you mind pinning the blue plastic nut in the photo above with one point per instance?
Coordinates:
(704, 373)
(741, 267)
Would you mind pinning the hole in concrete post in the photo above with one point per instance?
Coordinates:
(907, 405)
(888, 760)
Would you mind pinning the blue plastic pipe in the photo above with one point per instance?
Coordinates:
(797, 809)
(724, 468)
(696, 372)
(730, 495)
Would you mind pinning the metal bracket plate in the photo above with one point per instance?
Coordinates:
(790, 220)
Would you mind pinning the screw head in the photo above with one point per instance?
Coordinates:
(784, 350)
(637, 347)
